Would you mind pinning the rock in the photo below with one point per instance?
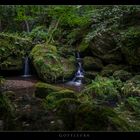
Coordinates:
(132, 87)
(44, 89)
(122, 75)
(91, 74)
(66, 110)
(130, 45)
(50, 66)
(92, 63)
(110, 69)
(99, 118)
(105, 47)
(10, 94)
(52, 99)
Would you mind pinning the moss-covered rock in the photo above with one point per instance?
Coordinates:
(130, 45)
(66, 110)
(50, 66)
(92, 63)
(99, 118)
(44, 89)
(50, 102)
(111, 68)
(122, 75)
(104, 46)
(132, 87)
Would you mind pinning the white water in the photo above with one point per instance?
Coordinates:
(26, 67)
(77, 80)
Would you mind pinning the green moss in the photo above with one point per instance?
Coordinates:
(122, 75)
(50, 66)
(44, 89)
(99, 118)
(92, 63)
(51, 100)
(130, 45)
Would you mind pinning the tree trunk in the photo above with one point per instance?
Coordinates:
(27, 26)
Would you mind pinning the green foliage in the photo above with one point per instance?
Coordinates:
(39, 33)
(104, 88)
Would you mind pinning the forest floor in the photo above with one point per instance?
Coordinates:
(30, 114)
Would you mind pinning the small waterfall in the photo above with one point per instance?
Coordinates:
(79, 75)
(26, 67)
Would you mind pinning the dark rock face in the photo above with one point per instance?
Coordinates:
(91, 63)
(105, 48)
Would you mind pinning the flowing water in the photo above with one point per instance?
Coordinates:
(26, 67)
(77, 81)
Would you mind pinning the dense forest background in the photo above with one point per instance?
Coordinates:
(107, 38)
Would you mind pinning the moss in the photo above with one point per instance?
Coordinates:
(110, 69)
(122, 75)
(132, 87)
(99, 118)
(50, 66)
(51, 100)
(43, 89)
(130, 45)
(92, 63)
(83, 46)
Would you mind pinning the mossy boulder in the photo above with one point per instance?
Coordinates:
(99, 118)
(122, 75)
(66, 109)
(111, 68)
(92, 63)
(50, 102)
(50, 66)
(44, 89)
(130, 45)
(104, 46)
(132, 87)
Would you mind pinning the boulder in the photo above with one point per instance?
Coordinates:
(132, 87)
(99, 118)
(44, 89)
(92, 63)
(130, 45)
(104, 46)
(122, 75)
(50, 66)
(110, 69)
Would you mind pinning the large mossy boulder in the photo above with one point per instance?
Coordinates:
(12, 51)
(132, 87)
(130, 48)
(44, 89)
(50, 66)
(122, 75)
(99, 118)
(104, 46)
(111, 68)
(92, 63)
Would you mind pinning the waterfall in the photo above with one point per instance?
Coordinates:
(26, 67)
(79, 75)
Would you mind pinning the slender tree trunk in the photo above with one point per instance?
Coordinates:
(27, 26)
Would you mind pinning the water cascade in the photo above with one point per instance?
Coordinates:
(79, 75)
(26, 67)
